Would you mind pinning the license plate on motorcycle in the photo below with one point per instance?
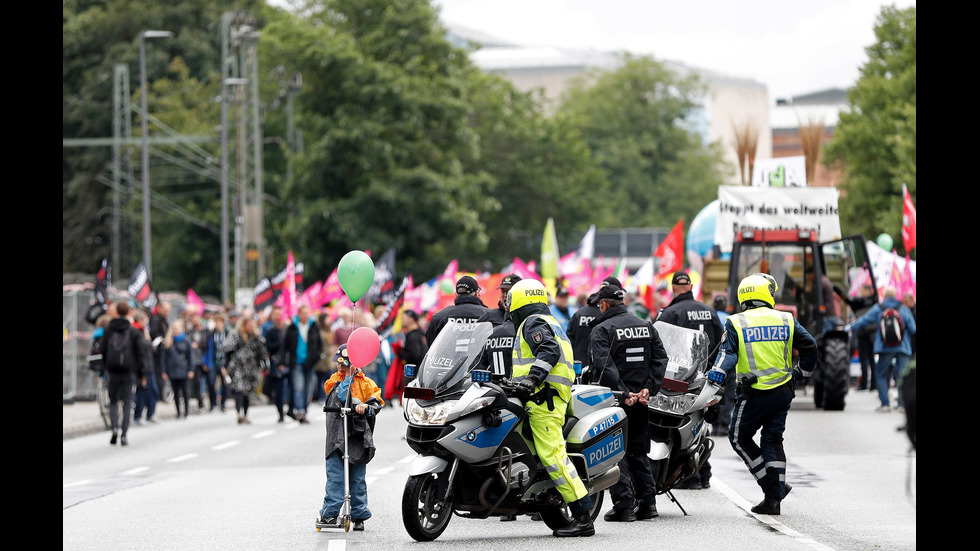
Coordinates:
(674, 385)
(419, 393)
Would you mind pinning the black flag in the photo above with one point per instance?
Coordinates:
(140, 289)
(103, 278)
(383, 288)
(392, 309)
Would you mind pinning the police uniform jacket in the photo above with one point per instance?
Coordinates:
(579, 331)
(495, 316)
(498, 354)
(758, 329)
(626, 352)
(687, 311)
(466, 309)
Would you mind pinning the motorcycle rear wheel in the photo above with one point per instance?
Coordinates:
(424, 515)
(560, 517)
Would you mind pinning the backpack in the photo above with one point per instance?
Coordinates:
(95, 362)
(118, 348)
(891, 327)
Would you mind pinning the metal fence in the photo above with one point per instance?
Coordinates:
(79, 382)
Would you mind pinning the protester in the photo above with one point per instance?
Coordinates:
(124, 360)
(146, 391)
(177, 359)
(159, 326)
(900, 353)
(245, 354)
(301, 351)
(560, 310)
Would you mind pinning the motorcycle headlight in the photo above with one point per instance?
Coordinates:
(431, 415)
(675, 404)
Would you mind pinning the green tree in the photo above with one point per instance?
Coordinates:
(634, 120)
(874, 143)
(182, 76)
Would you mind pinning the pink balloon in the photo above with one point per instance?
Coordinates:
(363, 346)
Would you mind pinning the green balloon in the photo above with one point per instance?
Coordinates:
(356, 274)
(885, 241)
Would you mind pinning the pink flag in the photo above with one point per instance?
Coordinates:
(895, 275)
(194, 302)
(331, 289)
(523, 270)
(908, 283)
(311, 296)
(290, 300)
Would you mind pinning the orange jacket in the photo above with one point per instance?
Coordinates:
(362, 387)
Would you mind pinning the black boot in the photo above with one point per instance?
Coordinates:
(770, 486)
(580, 526)
(768, 506)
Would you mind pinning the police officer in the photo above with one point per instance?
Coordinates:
(542, 364)
(579, 328)
(497, 356)
(758, 345)
(686, 311)
(627, 355)
(467, 308)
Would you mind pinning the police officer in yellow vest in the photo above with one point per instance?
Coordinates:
(543, 366)
(758, 345)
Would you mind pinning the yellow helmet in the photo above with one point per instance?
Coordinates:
(772, 282)
(757, 287)
(526, 291)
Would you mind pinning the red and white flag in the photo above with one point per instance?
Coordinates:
(671, 250)
(908, 220)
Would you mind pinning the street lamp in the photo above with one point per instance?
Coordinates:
(147, 259)
(224, 183)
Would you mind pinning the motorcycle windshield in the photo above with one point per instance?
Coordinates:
(451, 357)
(687, 351)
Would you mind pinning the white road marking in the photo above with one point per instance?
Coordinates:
(337, 545)
(78, 483)
(766, 519)
(225, 446)
(136, 470)
(263, 434)
(180, 458)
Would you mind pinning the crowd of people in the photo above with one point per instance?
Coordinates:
(542, 341)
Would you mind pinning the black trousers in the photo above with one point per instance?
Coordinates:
(636, 483)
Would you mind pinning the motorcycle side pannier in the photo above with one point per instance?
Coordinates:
(597, 441)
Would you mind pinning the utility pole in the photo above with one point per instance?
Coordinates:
(121, 128)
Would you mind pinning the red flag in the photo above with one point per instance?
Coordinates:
(671, 250)
(908, 220)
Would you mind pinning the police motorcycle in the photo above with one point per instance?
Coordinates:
(679, 414)
(476, 456)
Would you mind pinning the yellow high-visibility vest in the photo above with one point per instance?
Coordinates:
(765, 345)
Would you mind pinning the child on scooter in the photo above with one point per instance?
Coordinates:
(365, 401)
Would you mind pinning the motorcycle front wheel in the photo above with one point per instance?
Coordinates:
(425, 515)
(560, 517)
